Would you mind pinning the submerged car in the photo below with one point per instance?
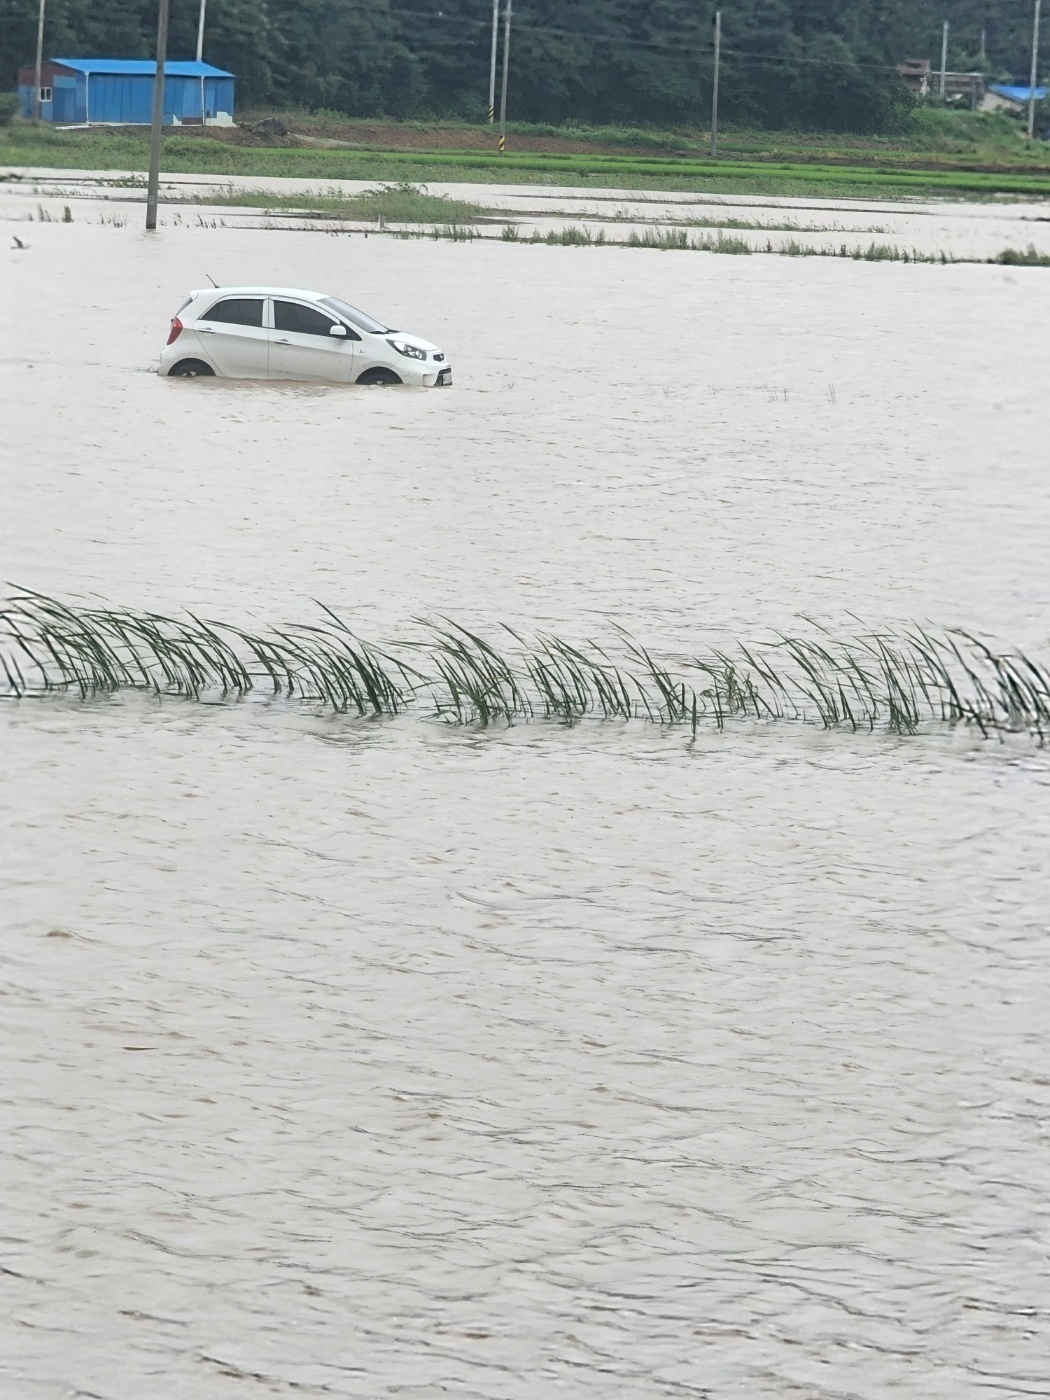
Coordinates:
(286, 333)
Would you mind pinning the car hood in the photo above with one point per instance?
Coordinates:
(408, 339)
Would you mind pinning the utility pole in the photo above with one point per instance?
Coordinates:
(492, 61)
(158, 116)
(1035, 69)
(200, 51)
(39, 62)
(944, 57)
(714, 86)
(984, 47)
(503, 90)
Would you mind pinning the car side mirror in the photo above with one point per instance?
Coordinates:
(337, 330)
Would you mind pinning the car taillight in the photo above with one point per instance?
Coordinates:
(176, 327)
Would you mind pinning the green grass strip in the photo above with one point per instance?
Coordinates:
(195, 155)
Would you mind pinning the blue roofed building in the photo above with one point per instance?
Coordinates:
(1010, 97)
(119, 92)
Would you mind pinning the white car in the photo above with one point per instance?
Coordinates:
(285, 333)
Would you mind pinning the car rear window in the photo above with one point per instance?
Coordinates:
(237, 311)
(291, 316)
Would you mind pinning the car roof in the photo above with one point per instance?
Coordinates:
(260, 292)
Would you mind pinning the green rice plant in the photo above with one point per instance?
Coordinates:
(1023, 696)
(1017, 257)
(667, 239)
(479, 683)
(455, 233)
(604, 686)
(876, 252)
(735, 247)
(571, 237)
(900, 681)
(674, 701)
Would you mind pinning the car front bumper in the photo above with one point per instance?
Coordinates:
(439, 380)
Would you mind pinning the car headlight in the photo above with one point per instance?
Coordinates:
(412, 352)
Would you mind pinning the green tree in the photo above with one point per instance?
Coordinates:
(815, 63)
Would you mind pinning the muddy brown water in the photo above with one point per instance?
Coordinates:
(376, 1059)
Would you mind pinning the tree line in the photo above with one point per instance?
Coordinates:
(824, 64)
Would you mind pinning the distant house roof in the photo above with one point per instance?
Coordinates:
(143, 67)
(916, 74)
(1016, 94)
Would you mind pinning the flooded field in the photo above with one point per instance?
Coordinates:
(961, 231)
(398, 1057)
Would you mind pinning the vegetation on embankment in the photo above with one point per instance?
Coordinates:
(899, 681)
(403, 203)
(868, 169)
(932, 139)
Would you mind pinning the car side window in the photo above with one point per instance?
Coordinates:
(292, 316)
(237, 311)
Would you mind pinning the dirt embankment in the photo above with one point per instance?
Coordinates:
(305, 130)
(333, 134)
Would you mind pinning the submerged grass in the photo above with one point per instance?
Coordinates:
(403, 203)
(679, 240)
(898, 682)
(1023, 257)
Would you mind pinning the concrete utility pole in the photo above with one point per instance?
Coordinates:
(944, 57)
(200, 50)
(1035, 69)
(158, 116)
(714, 86)
(492, 61)
(503, 90)
(984, 47)
(39, 61)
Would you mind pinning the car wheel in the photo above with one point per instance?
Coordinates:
(191, 369)
(379, 376)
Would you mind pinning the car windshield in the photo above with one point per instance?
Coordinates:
(356, 318)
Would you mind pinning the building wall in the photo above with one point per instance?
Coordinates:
(25, 96)
(123, 99)
(218, 97)
(27, 85)
(120, 98)
(68, 99)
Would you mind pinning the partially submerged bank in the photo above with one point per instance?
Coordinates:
(880, 174)
(404, 210)
(900, 681)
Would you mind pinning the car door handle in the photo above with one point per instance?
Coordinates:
(206, 330)
(282, 342)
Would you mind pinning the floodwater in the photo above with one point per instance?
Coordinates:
(977, 231)
(394, 1059)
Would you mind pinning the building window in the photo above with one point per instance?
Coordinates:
(45, 94)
